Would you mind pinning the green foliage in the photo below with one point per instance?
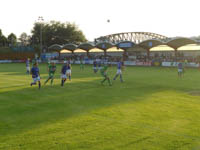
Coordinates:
(57, 33)
(3, 40)
(12, 39)
(151, 110)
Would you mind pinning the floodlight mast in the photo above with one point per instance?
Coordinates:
(40, 20)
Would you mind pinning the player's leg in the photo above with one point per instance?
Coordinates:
(121, 79)
(39, 84)
(94, 69)
(47, 80)
(52, 78)
(120, 73)
(69, 75)
(28, 70)
(63, 81)
(109, 82)
(64, 77)
(105, 78)
(117, 74)
(34, 81)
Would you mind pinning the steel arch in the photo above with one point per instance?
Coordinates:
(136, 37)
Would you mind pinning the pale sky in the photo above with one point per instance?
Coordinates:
(167, 17)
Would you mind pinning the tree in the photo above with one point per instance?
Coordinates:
(25, 39)
(12, 39)
(56, 33)
(3, 39)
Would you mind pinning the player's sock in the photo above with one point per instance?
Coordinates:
(51, 81)
(69, 77)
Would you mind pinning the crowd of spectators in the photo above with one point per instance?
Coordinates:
(140, 58)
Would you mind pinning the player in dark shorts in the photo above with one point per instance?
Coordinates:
(95, 66)
(180, 69)
(81, 64)
(35, 75)
(63, 74)
(119, 71)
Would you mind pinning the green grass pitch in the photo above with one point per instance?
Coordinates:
(152, 110)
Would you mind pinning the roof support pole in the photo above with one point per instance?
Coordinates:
(148, 53)
(58, 55)
(125, 54)
(105, 53)
(175, 52)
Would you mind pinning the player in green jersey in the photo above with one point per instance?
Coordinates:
(81, 64)
(52, 70)
(105, 75)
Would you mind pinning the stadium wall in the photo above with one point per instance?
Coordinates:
(17, 55)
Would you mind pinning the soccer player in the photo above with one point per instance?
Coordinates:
(69, 72)
(119, 71)
(35, 75)
(95, 66)
(63, 74)
(81, 65)
(34, 61)
(52, 70)
(105, 75)
(28, 66)
(99, 64)
(180, 69)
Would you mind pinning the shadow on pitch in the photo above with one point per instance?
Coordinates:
(28, 108)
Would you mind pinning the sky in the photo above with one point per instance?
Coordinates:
(166, 17)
